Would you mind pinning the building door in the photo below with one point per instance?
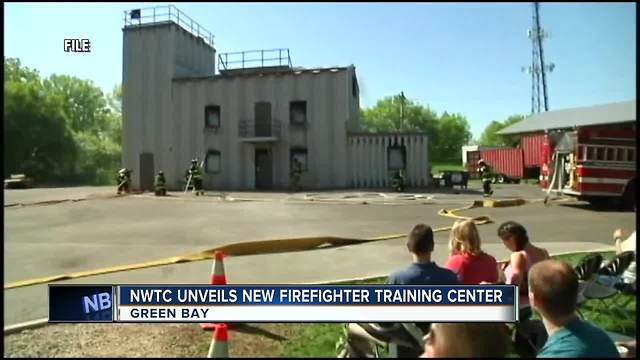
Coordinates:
(146, 171)
(264, 167)
(262, 119)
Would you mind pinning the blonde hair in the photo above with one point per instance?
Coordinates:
(464, 238)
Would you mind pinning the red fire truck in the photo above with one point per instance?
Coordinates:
(596, 164)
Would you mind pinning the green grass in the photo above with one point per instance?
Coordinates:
(437, 167)
(318, 340)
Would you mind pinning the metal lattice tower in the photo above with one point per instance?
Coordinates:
(538, 68)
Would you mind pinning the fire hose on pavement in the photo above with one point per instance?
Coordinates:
(251, 248)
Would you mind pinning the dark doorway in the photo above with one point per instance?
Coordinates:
(262, 119)
(146, 171)
(264, 174)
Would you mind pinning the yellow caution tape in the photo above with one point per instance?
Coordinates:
(248, 248)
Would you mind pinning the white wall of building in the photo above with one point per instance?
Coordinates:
(168, 80)
(153, 55)
(368, 159)
(324, 136)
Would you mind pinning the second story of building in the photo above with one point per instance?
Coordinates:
(284, 104)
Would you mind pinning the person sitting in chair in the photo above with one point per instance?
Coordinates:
(553, 290)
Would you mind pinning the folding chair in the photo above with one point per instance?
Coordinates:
(607, 284)
(586, 271)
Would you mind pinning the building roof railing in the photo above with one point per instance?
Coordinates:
(164, 13)
(254, 59)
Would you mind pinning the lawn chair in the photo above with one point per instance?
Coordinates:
(586, 271)
(608, 285)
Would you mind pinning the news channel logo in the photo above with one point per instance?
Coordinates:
(81, 303)
(77, 45)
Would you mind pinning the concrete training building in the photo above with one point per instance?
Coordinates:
(246, 123)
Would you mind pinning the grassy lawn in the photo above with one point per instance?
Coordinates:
(248, 340)
(437, 168)
(319, 339)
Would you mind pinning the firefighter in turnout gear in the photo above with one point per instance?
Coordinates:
(159, 184)
(296, 173)
(124, 181)
(195, 177)
(486, 176)
(397, 182)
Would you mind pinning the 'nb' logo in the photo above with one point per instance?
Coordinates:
(96, 302)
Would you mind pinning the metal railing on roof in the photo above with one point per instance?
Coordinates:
(165, 13)
(250, 58)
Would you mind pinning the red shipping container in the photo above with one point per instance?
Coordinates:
(532, 146)
(505, 161)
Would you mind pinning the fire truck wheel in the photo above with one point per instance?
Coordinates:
(500, 179)
(599, 202)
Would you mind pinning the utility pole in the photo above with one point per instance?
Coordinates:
(402, 99)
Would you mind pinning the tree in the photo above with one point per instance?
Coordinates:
(114, 101)
(94, 122)
(446, 133)
(37, 140)
(490, 136)
(453, 133)
(61, 129)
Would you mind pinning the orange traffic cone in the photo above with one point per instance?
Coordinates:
(217, 278)
(219, 347)
(217, 270)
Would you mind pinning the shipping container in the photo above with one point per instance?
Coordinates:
(508, 162)
(505, 162)
(466, 149)
(532, 150)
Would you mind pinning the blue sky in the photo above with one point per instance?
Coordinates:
(463, 58)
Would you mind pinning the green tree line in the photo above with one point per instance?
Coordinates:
(447, 132)
(64, 130)
(490, 135)
(60, 130)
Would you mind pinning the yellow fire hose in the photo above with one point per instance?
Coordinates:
(248, 248)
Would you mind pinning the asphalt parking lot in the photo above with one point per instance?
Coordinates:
(65, 237)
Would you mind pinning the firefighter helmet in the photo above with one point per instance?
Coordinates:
(481, 161)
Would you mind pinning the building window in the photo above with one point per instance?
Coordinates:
(581, 153)
(610, 153)
(619, 154)
(298, 112)
(212, 116)
(213, 162)
(299, 155)
(396, 156)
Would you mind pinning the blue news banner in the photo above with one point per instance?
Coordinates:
(282, 303)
